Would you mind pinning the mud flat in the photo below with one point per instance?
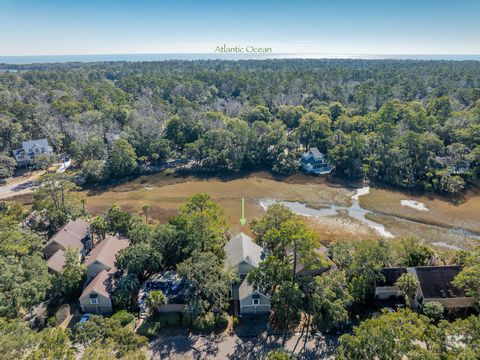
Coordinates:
(354, 211)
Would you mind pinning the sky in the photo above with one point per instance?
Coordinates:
(387, 27)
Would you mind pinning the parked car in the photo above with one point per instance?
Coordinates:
(85, 318)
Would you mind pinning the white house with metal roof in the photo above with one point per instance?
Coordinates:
(30, 150)
(315, 162)
(243, 254)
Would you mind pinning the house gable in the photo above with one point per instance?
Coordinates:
(242, 253)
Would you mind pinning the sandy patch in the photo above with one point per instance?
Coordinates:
(332, 228)
(445, 245)
(360, 192)
(417, 205)
(464, 214)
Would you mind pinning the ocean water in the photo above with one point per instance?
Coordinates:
(20, 60)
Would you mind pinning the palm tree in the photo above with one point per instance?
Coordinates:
(145, 209)
(408, 285)
(155, 299)
(83, 201)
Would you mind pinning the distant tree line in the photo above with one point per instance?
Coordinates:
(406, 123)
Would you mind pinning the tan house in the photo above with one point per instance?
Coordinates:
(100, 270)
(244, 255)
(102, 257)
(75, 234)
(96, 297)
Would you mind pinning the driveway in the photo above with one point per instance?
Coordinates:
(236, 348)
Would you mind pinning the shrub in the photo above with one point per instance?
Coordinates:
(192, 310)
(221, 321)
(204, 323)
(52, 321)
(171, 319)
(93, 171)
(433, 309)
(155, 299)
(278, 355)
(150, 327)
(124, 317)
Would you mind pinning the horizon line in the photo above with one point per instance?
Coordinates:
(250, 54)
(23, 60)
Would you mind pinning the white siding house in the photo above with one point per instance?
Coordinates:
(315, 162)
(30, 150)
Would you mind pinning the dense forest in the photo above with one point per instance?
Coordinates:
(414, 124)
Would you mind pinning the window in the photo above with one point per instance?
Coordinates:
(93, 299)
(256, 301)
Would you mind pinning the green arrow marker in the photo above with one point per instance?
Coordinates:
(243, 220)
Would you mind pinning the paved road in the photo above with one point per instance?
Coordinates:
(235, 348)
(25, 184)
(17, 188)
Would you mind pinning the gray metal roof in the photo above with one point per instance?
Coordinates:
(241, 248)
(317, 154)
(313, 155)
(27, 145)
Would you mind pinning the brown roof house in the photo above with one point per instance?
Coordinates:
(96, 297)
(435, 284)
(100, 270)
(75, 234)
(244, 255)
(103, 255)
(56, 262)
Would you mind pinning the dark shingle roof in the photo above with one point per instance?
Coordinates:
(436, 281)
(391, 276)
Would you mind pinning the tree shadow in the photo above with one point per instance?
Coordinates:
(166, 347)
(250, 349)
(193, 346)
(324, 348)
